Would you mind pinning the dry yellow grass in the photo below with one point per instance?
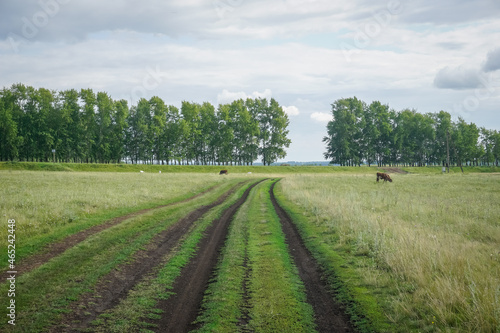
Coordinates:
(41, 201)
(436, 236)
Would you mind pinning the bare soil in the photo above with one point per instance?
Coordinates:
(394, 170)
(329, 314)
(115, 285)
(54, 249)
(181, 309)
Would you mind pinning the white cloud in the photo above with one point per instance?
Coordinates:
(321, 117)
(291, 110)
(286, 49)
(227, 96)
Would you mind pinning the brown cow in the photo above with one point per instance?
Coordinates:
(223, 172)
(384, 176)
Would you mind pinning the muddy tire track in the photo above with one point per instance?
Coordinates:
(329, 315)
(114, 286)
(54, 249)
(181, 309)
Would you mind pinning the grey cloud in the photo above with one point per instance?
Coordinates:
(492, 61)
(457, 78)
(448, 11)
(68, 20)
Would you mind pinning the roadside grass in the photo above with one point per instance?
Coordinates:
(47, 206)
(46, 292)
(423, 248)
(136, 312)
(260, 293)
(214, 169)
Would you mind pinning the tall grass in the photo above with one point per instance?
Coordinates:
(43, 201)
(426, 245)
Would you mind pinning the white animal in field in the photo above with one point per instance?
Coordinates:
(159, 171)
(142, 171)
(249, 173)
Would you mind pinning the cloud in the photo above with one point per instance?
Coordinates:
(457, 78)
(321, 117)
(492, 61)
(227, 96)
(291, 110)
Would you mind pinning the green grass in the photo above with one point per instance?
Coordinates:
(44, 293)
(48, 206)
(276, 299)
(129, 315)
(214, 169)
(425, 247)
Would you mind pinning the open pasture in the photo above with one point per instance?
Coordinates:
(54, 204)
(420, 254)
(427, 247)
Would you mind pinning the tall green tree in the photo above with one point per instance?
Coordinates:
(208, 129)
(8, 132)
(104, 131)
(225, 135)
(118, 130)
(345, 132)
(193, 137)
(88, 122)
(158, 125)
(273, 124)
(443, 124)
(74, 143)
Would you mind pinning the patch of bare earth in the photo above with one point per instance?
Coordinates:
(114, 286)
(181, 309)
(329, 314)
(54, 249)
(394, 170)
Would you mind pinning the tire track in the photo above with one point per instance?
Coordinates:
(54, 249)
(181, 309)
(115, 285)
(329, 315)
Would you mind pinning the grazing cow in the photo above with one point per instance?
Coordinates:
(384, 176)
(223, 172)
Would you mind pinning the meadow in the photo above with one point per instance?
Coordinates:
(47, 206)
(420, 254)
(425, 248)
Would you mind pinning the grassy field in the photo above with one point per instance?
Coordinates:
(238, 169)
(44, 294)
(420, 254)
(424, 248)
(47, 206)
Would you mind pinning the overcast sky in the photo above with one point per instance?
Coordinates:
(426, 55)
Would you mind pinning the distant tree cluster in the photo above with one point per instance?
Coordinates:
(374, 134)
(88, 127)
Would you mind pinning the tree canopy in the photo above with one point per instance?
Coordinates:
(85, 126)
(375, 134)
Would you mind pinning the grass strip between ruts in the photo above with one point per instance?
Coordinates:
(41, 295)
(138, 310)
(263, 292)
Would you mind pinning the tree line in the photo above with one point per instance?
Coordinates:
(375, 134)
(84, 126)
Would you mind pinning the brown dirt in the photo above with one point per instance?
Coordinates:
(181, 309)
(116, 284)
(54, 249)
(394, 170)
(329, 315)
